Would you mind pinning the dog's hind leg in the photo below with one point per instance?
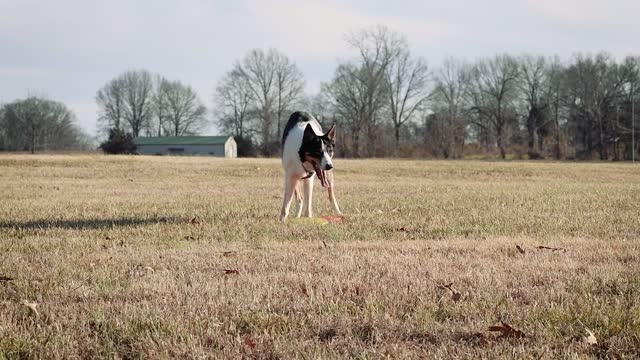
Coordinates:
(332, 195)
(307, 192)
(298, 199)
(290, 184)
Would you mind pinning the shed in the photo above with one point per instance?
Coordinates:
(222, 146)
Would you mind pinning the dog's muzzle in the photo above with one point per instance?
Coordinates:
(322, 175)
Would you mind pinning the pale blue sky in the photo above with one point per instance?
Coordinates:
(68, 49)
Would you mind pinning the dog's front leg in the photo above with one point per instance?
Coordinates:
(298, 199)
(307, 192)
(332, 199)
(332, 195)
(290, 184)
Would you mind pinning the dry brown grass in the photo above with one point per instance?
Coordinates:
(105, 247)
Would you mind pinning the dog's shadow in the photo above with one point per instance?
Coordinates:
(85, 224)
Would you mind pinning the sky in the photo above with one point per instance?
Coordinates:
(68, 49)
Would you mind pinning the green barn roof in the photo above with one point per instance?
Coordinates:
(181, 140)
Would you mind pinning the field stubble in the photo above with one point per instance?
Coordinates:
(184, 257)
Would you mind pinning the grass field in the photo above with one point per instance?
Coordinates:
(156, 257)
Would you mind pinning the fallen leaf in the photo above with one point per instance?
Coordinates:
(455, 294)
(591, 338)
(250, 342)
(334, 218)
(507, 331)
(472, 338)
(327, 334)
(520, 250)
(446, 286)
(32, 306)
(550, 248)
(423, 337)
(5, 278)
(231, 271)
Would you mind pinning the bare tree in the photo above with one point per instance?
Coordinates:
(493, 94)
(289, 87)
(233, 99)
(319, 105)
(534, 85)
(407, 79)
(138, 87)
(275, 83)
(38, 124)
(111, 102)
(450, 105)
(596, 86)
(30, 117)
(259, 74)
(183, 112)
(378, 47)
(127, 101)
(349, 101)
(627, 126)
(160, 105)
(359, 89)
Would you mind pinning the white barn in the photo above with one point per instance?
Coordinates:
(222, 146)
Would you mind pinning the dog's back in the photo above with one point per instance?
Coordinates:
(299, 119)
(292, 138)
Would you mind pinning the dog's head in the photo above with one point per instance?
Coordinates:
(317, 150)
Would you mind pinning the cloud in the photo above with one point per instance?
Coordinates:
(617, 13)
(68, 49)
(86, 114)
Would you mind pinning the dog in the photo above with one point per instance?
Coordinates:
(306, 153)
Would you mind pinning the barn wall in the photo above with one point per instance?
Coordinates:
(231, 148)
(203, 150)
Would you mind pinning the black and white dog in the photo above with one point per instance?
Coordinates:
(306, 153)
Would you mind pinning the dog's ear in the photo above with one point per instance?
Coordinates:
(331, 134)
(309, 134)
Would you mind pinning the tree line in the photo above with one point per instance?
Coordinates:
(143, 103)
(388, 102)
(541, 106)
(40, 124)
(385, 99)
